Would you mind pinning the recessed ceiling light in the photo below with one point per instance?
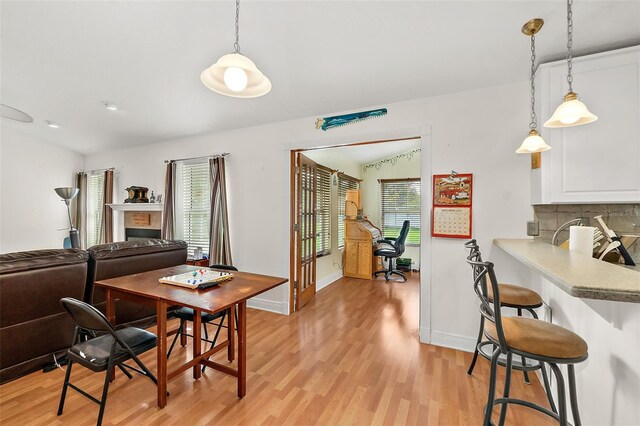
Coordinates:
(110, 106)
(52, 124)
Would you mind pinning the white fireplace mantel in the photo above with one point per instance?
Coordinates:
(137, 207)
(119, 211)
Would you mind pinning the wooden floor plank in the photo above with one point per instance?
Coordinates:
(351, 356)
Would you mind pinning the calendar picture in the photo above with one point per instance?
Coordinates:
(452, 190)
(451, 215)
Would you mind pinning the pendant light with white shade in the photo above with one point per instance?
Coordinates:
(534, 142)
(571, 112)
(234, 74)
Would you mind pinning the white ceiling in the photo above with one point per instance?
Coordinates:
(61, 59)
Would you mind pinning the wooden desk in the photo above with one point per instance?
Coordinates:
(144, 288)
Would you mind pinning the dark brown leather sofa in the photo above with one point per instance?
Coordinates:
(125, 258)
(33, 324)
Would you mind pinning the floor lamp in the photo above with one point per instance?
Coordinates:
(67, 194)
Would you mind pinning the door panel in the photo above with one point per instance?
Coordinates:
(305, 228)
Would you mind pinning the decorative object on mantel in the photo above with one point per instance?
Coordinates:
(571, 112)
(391, 160)
(152, 199)
(341, 120)
(451, 215)
(159, 199)
(234, 74)
(533, 144)
(137, 194)
(67, 194)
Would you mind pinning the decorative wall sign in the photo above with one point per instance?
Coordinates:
(341, 120)
(452, 206)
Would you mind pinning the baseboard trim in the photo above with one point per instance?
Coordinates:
(425, 335)
(330, 279)
(453, 341)
(268, 305)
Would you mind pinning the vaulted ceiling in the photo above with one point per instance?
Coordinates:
(60, 60)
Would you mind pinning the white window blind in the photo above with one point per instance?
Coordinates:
(95, 199)
(400, 201)
(345, 182)
(196, 206)
(323, 212)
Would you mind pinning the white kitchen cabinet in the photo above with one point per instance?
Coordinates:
(597, 162)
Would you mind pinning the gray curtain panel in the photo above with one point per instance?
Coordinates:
(219, 245)
(81, 209)
(106, 224)
(168, 211)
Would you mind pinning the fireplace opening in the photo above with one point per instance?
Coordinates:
(132, 234)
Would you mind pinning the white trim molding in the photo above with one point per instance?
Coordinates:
(268, 305)
(452, 341)
(328, 280)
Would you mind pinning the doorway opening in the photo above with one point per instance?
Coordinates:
(327, 241)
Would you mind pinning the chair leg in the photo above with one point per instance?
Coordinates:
(125, 371)
(492, 386)
(507, 386)
(67, 375)
(206, 332)
(215, 337)
(562, 401)
(180, 334)
(475, 353)
(547, 388)
(523, 359)
(572, 396)
(105, 389)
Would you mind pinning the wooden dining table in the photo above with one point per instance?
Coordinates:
(145, 288)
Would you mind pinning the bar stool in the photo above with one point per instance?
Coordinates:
(529, 338)
(511, 296)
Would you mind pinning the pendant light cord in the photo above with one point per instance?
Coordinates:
(570, 44)
(534, 118)
(236, 45)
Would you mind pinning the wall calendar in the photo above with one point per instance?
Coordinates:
(451, 216)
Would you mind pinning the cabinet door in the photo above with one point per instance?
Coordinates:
(597, 162)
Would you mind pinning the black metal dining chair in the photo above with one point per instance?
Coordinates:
(99, 347)
(185, 314)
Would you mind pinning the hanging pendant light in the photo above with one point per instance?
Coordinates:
(571, 112)
(534, 142)
(234, 74)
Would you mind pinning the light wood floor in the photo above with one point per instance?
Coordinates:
(351, 357)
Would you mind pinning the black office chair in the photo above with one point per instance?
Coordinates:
(111, 348)
(391, 248)
(186, 314)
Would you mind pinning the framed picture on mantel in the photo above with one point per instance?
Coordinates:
(451, 214)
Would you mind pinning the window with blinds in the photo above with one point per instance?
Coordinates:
(323, 212)
(400, 201)
(95, 200)
(345, 182)
(196, 206)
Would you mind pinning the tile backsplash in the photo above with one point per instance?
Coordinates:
(621, 218)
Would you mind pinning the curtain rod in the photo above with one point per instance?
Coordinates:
(97, 170)
(195, 158)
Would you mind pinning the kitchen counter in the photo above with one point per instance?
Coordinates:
(576, 274)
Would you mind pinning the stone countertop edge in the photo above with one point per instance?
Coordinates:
(576, 274)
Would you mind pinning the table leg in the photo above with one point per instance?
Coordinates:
(231, 335)
(197, 343)
(161, 312)
(242, 349)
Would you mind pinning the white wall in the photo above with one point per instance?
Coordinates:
(329, 267)
(370, 187)
(31, 213)
(475, 132)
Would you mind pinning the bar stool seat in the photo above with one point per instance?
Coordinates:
(515, 296)
(539, 337)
